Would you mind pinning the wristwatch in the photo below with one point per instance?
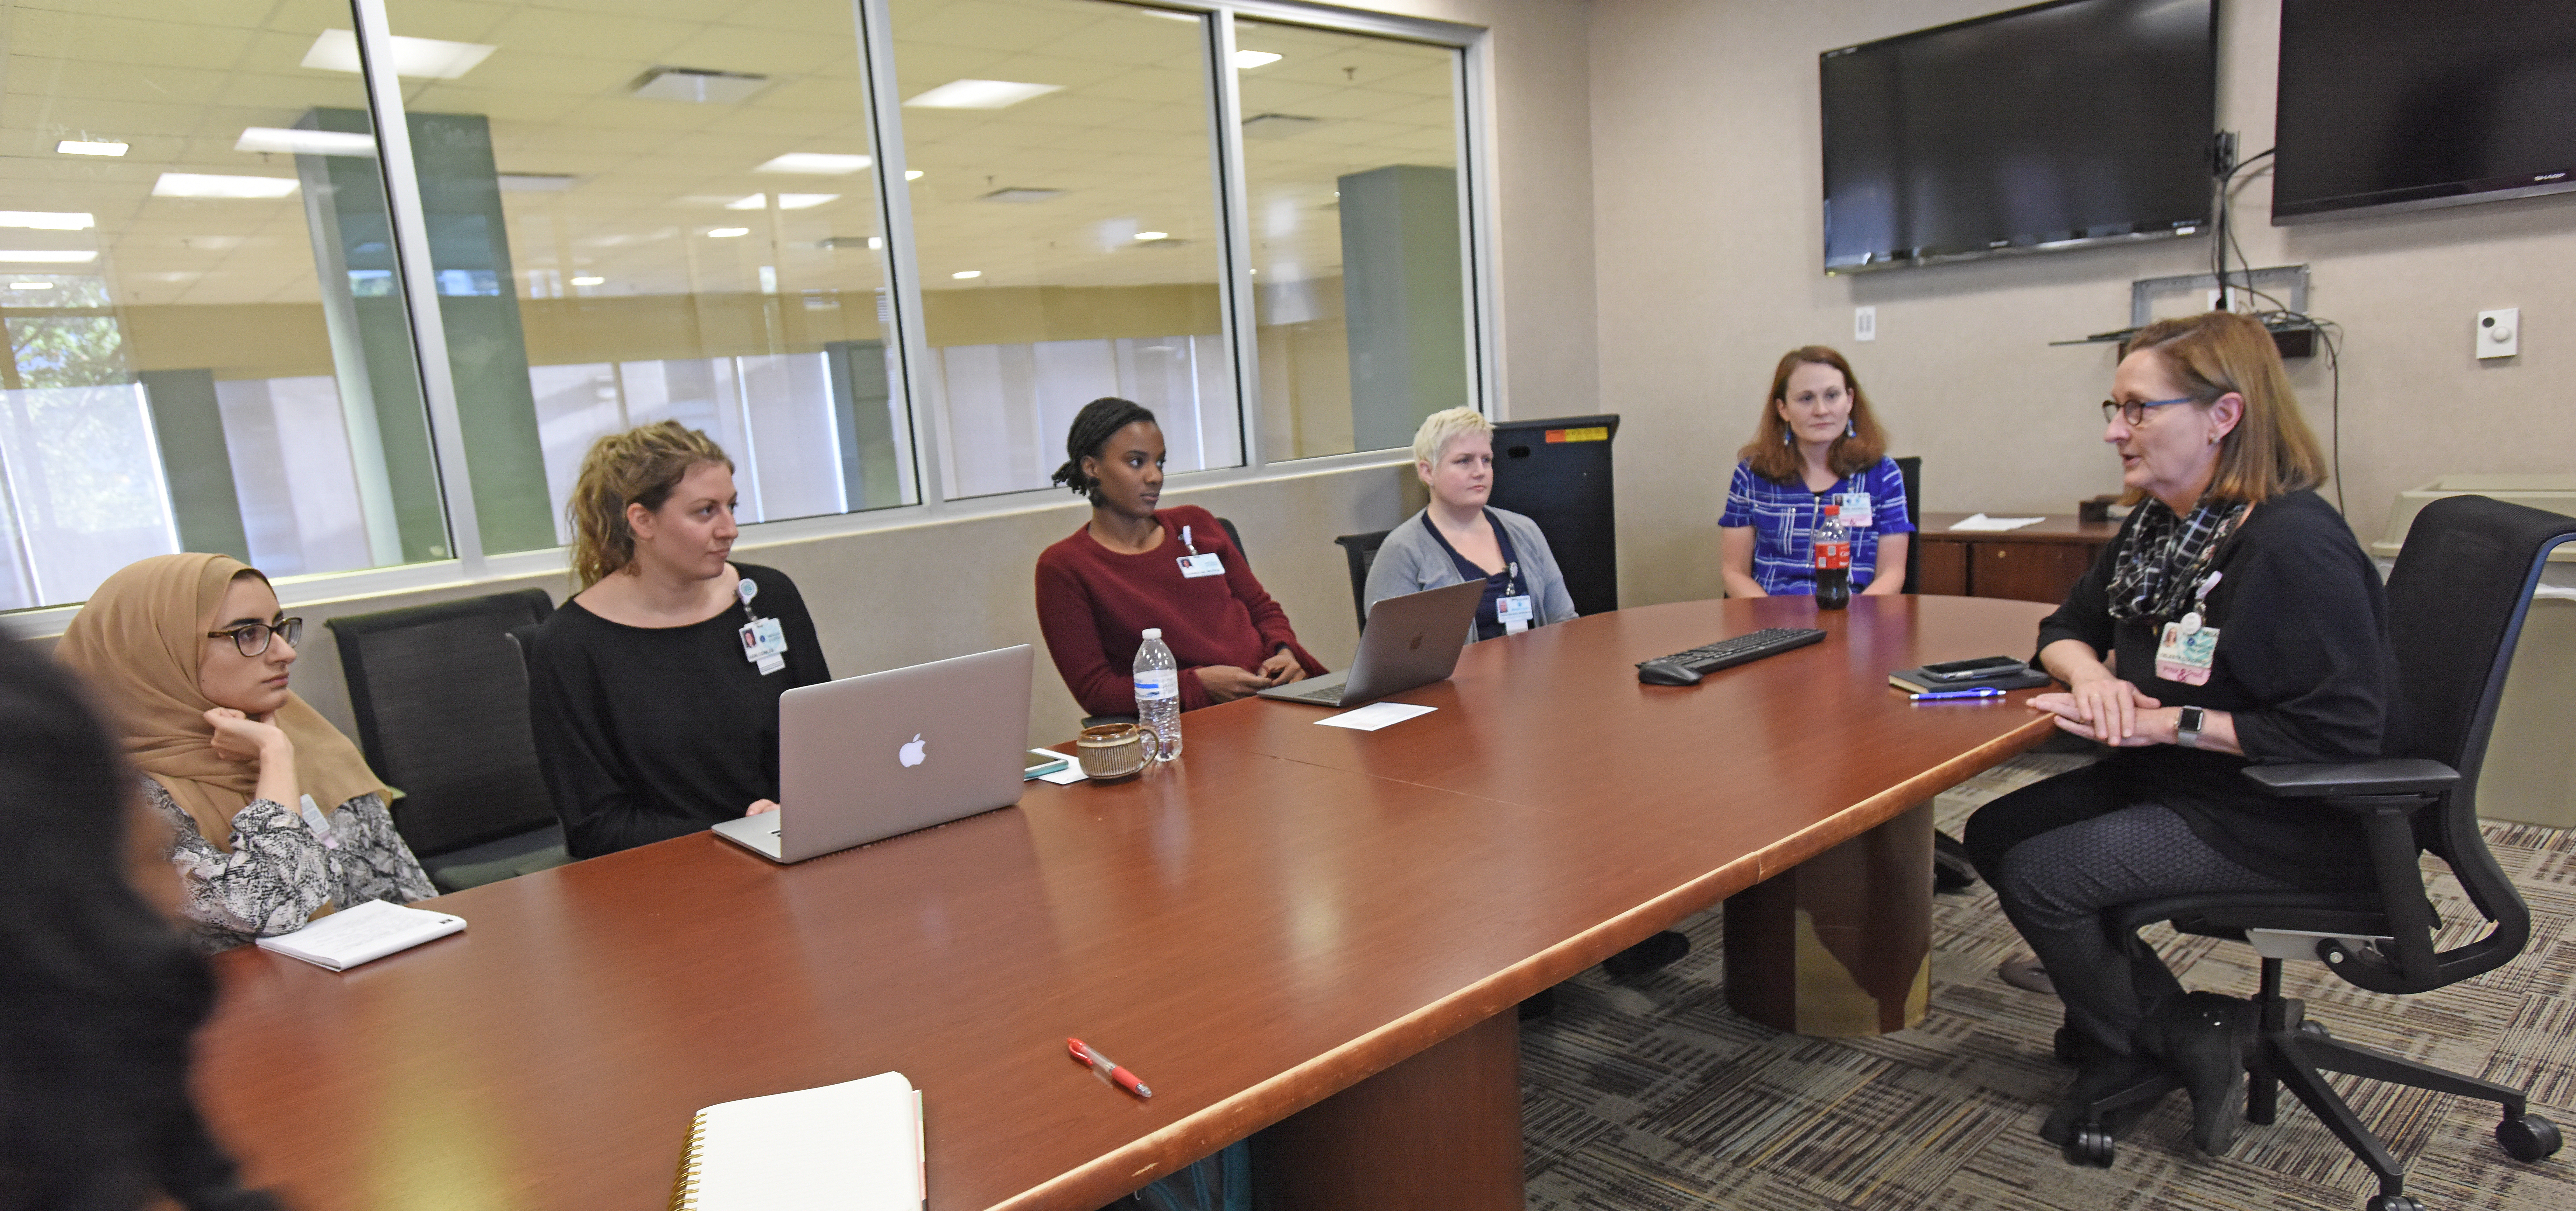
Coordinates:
(2187, 726)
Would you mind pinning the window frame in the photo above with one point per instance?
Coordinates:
(926, 425)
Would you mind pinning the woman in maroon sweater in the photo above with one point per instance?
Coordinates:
(1101, 586)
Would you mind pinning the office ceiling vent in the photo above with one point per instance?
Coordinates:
(1022, 193)
(537, 182)
(697, 84)
(1278, 126)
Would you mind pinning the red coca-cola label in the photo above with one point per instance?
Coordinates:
(1833, 555)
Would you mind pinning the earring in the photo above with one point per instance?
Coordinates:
(1851, 428)
(1784, 435)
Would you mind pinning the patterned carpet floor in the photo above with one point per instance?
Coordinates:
(1651, 1094)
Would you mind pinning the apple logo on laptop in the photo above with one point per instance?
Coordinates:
(912, 754)
(1415, 645)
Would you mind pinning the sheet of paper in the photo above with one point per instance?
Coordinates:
(1981, 522)
(1375, 715)
(1070, 774)
(362, 933)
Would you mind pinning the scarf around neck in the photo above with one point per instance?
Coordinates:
(2166, 557)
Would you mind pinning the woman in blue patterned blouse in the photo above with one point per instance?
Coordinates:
(1818, 445)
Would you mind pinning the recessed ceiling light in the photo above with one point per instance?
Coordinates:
(589, 281)
(1153, 235)
(816, 164)
(727, 233)
(49, 256)
(421, 58)
(31, 285)
(1168, 15)
(757, 201)
(305, 142)
(805, 201)
(90, 147)
(698, 84)
(980, 94)
(875, 243)
(48, 220)
(913, 174)
(537, 182)
(1246, 59)
(963, 274)
(214, 185)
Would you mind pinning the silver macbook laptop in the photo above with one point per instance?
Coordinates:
(865, 758)
(1411, 640)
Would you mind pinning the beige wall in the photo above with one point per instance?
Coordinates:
(1709, 239)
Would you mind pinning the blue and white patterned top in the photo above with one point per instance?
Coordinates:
(1784, 515)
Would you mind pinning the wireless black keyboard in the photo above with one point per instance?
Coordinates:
(1727, 653)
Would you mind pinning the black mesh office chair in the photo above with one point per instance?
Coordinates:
(1910, 469)
(2456, 603)
(441, 699)
(1361, 551)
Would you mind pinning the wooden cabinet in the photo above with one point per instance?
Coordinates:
(2038, 562)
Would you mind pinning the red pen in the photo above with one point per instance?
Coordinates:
(1106, 1067)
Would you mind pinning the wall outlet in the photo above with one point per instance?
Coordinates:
(2500, 332)
(1864, 323)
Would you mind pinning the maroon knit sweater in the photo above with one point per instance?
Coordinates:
(1094, 605)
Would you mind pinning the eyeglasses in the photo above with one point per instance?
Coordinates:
(251, 639)
(2135, 411)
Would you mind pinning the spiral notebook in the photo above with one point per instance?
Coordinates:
(855, 1146)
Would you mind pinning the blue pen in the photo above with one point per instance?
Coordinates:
(1947, 695)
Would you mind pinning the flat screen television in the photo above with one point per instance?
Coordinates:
(2406, 104)
(2054, 126)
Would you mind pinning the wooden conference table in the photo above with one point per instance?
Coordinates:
(1290, 917)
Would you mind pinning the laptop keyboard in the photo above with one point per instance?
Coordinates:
(1742, 649)
(1329, 695)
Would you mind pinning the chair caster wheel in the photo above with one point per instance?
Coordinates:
(2528, 1138)
(2315, 1028)
(2091, 1146)
(2392, 1202)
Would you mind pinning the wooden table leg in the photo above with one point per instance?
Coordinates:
(1841, 945)
(1438, 1132)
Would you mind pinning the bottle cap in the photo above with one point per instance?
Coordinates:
(1153, 632)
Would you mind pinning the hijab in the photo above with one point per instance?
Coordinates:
(138, 642)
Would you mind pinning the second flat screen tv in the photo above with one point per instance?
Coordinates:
(2045, 127)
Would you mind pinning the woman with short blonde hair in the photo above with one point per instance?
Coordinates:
(1459, 537)
(654, 691)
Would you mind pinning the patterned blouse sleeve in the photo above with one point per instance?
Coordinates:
(375, 864)
(277, 875)
(1739, 500)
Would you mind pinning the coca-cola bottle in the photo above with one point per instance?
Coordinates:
(1831, 545)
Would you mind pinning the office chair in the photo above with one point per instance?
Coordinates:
(1361, 551)
(1951, 868)
(442, 708)
(1236, 537)
(2456, 602)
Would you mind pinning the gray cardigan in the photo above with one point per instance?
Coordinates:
(1413, 560)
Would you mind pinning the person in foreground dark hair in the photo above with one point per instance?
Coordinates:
(102, 990)
(1100, 587)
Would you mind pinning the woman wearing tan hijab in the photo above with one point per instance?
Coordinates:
(188, 654)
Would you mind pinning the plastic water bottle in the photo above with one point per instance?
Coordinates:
(1832, 548)
(1158, 694)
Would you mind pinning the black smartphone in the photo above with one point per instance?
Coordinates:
(1966, 670)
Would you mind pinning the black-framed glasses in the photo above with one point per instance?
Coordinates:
(251, 638)
(2135, 411)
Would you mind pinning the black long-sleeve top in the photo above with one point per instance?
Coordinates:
(648, 733)
(2302, 664)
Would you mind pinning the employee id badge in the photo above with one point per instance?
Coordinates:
(764, 643)
(2185, 652)
(1514, 612)
(1195, 566)
(1855, 507)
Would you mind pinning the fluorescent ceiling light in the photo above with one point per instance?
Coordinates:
(537, 182)
(963, 274)
(47, 220)
(980, 94)
(698, 84)
(1153, 235)
(876, 242)
(1168, 15)
(48, 256)
(727, 233)
(589, 281)
(422, 58)
(213, 185)
(913, 174)
(805, 201)
(31, 285)
(757, 201)
(305, 142)
(1246, 59)
(816, 164)
(90, 147)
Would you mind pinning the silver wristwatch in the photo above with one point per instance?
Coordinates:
(2187, 726)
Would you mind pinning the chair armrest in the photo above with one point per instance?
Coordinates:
(2401, 776)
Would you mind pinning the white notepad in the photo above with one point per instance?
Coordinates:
(362, 934)
(1981, 522)
(855, 1146)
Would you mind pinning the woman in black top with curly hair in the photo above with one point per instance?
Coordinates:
(102, 990)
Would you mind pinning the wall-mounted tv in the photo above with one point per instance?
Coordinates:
(2054, 126)
(2405, 104)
